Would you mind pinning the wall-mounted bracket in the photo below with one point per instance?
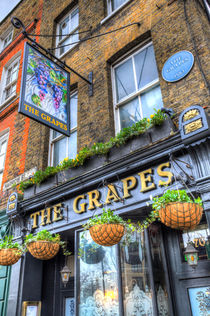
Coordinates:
(17, 23)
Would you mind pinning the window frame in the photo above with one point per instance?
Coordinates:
(118, 104)
(70, 33)
(59, 137)
(4, 85)
(109, 7)
(4, 37)
(3, 137)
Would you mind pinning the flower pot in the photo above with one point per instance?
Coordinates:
(43, 250)
(9, 256)
(107, 234)
(181, 215)
(92, 254)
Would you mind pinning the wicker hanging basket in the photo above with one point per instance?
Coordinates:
(181, 215)
(107, 234)
(9, 256)
(43, 250)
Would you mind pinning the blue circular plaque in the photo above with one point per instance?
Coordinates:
(177, 66)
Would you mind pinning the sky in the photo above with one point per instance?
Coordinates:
(6, 6)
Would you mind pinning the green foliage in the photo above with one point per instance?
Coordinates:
(158, 117)
(7, 243)
(97, 149)
(108, 217)
(173, 196)
(45, 235)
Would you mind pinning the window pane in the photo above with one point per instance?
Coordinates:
(137, 293)
(72, 140)
(146, 69)
(157, 256)
(3, 147)
(151, 100)
(73, 111)
(117, 3)
(71, 39)
(1, 175)
(129, 113)
(199, 239)
(59, 151)
(9, 73)
(1, 161)
(74, 19)
(124, 79)
(98, 284)
(64, 28)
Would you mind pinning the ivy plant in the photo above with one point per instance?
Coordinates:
(108, 217)
(173, 196)
(97, 149)
(45, 235)
(7, 243)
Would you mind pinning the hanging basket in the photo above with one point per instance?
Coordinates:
(43, 250)
(91, 254)
(9, 256)
(107, 234)
(181, 215)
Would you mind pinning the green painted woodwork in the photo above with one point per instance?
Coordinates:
(4, 271)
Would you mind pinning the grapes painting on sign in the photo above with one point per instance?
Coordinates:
(45, 90)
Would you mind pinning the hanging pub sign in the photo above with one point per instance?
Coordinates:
(45, 91)
(177, 66)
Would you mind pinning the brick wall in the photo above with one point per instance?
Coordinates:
(162, 21)
(171, 26)
(17, 156)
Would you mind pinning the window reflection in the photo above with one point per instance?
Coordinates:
(157, 255)
(198, 237)
(135, 278)
(98, 279)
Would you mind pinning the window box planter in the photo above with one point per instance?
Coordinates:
(159, 132)
(132, 145)
(29, 192)
(92, 163)
(47, 184)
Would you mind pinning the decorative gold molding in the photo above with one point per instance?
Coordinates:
(194, 126)
(37, 306)
(190, 114)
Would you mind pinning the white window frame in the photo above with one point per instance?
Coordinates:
(9, 32)
(4, 86)
(109, 7)
(59, 137)
(137, 93)
(70, 33)
(2, 139)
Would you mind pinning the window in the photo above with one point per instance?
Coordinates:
(67, 30)
(6, 39)
(136, 87)
(62, 146)
(113, 5)
(3, 150)
(9, 81)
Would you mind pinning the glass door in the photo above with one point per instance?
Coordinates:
(119, 280)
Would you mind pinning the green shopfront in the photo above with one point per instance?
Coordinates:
(148, 277)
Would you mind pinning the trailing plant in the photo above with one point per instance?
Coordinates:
(108, 217)
(173, 196)
(7, 243)
(97, 149)
(45, 235)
